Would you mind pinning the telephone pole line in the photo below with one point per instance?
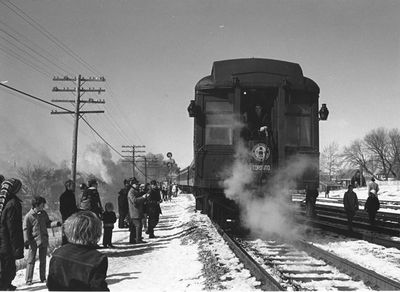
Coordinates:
(78, 113)
(133, 151)
(147, 164)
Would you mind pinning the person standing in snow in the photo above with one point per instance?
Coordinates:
(67, 204)
(350, 202)
(11, 234)
(372, 206)
(153, 208)
(91, 199)
(136, 204)
(109, 219)
(123, 208)
(77, 265)
(372, 186)
(36, 237)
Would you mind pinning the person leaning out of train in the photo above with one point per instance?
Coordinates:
(372, 206)
(255, 120)
(350, 203)
(77, 265)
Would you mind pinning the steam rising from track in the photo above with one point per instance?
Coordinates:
(265, 209)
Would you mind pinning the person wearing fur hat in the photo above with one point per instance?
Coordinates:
(11, 234)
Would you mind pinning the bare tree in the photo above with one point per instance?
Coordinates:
(378, 151)
(394, 150)
(355, 155)
(377, 146)
(331, 159)
(35, 179)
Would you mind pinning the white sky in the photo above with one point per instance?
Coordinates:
(152, 53)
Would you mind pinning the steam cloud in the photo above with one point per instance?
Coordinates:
(265, 209)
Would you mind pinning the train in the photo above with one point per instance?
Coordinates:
(266, 105)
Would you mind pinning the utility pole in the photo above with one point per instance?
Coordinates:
(78, 113)
(147, 164)
(133, 151)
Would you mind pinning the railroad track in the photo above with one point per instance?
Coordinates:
(299, 265)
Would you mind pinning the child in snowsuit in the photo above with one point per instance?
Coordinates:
(109, 218)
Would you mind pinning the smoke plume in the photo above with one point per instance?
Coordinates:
(265, 209)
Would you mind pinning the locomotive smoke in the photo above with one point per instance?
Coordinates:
(267, 210)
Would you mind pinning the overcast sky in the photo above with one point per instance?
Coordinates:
(152, 53)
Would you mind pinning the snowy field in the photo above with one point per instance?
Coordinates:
(388, 191)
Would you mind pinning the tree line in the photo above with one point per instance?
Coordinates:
(48, 181)
(376, 154)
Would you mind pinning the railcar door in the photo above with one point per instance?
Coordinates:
(218, 138)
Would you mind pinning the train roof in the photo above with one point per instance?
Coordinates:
(256, 72)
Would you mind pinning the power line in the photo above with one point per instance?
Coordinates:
(36, 98)
(48, 35)
(60, 107)
(31, 21)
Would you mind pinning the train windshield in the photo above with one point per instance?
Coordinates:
(219, 121)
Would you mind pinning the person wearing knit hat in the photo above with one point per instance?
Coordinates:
(11, 234)
(11, 186)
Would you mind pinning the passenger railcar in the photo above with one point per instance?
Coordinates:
(267, 104)
(185, 178)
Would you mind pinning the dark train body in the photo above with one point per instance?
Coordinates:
(222, 111)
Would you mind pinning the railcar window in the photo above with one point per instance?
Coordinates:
(299, 125)
(219, 123)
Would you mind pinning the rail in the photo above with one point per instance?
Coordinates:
(369, 277)
(268, 282)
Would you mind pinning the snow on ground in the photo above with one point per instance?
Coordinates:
(382, 260)
(388, 191)
(385, 261)
(188, 254)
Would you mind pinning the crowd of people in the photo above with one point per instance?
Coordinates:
(77, 264)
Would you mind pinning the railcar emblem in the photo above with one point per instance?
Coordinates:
(260, 152)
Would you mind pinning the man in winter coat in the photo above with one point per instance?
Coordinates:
(36, 222)
(350, 202)
(123, 209)
(136, 210)
(372, 206)
(153, 208)
(67, 204)
(77, 265)
(11, 234)
(91, 199)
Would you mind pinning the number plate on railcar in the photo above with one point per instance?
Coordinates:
(260, 167)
